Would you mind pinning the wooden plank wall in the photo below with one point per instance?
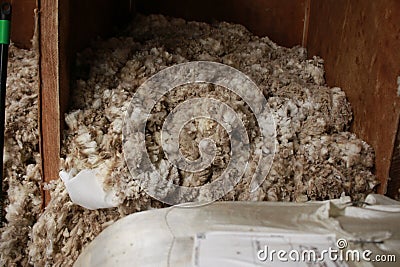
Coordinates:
(23, 22)
(282, 20)
(360, 42)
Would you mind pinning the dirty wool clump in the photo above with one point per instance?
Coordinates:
(22, 194)
(316, 158)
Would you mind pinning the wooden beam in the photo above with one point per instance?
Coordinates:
(359, 41)
(49, 91)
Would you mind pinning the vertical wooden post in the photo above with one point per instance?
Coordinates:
(49, 90)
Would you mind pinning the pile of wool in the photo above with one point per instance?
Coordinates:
(316, 158)
(22, 179)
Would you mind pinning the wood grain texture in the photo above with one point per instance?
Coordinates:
(281, 20)
(360, 43)
(23, 22)
(307, 7)
(394, 174)
(49, 91)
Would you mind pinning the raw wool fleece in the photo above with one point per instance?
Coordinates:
(22, 177)
(316, 158)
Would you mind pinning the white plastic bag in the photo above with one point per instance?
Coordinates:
(86, 189)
